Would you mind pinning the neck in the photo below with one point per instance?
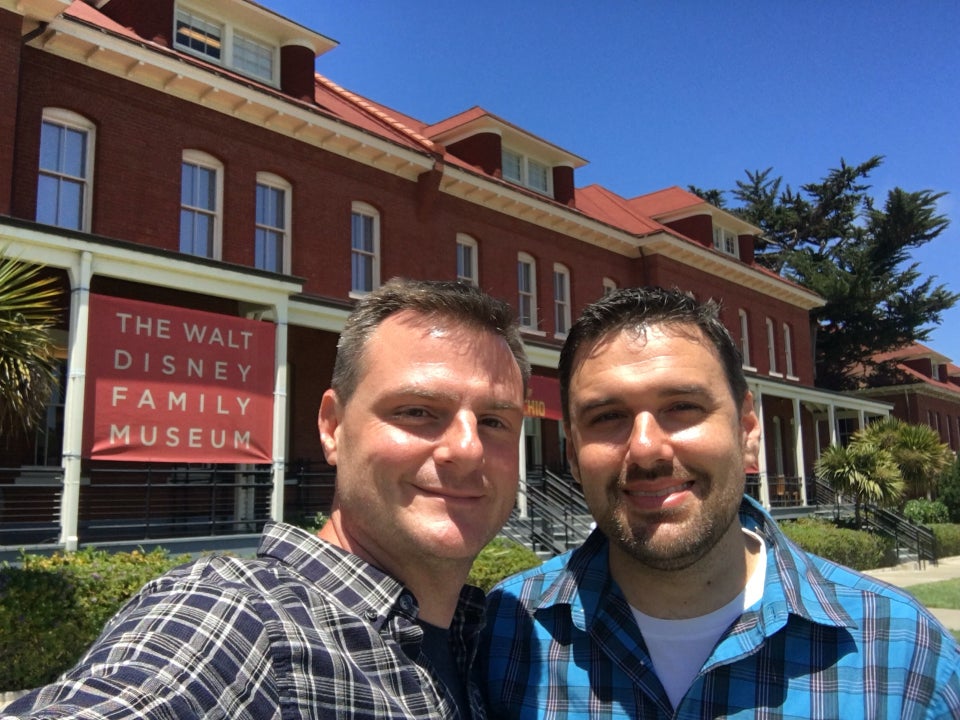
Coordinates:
(436, 584)
(706, 585)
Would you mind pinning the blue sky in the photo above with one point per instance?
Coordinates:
(678, 92)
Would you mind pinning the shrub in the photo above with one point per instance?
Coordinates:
(926, 512)
(52, 608)
(498, 560)
(947, 539)
(856, 549)
(949, 491)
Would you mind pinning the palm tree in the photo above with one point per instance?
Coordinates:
(916, 449)
(28, 367)
(864, 470)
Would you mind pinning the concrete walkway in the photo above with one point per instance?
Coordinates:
(912, 574)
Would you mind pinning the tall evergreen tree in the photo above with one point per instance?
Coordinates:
(831, 237)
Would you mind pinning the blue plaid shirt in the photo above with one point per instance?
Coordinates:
(306, 630)
(824, 642)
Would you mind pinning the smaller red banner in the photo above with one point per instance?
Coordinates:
(543, 398)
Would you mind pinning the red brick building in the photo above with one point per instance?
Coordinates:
(923, 388)
(186, 154)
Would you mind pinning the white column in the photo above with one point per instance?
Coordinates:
(762, 451)
(798, 450)
(832, 419)
(80, 275)
(279, 413)
(522, 470)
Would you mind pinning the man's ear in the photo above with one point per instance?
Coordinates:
(571, 453)
(328, 422)
(749, 433)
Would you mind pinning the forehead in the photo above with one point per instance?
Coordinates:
(434, 341)
(668, 346)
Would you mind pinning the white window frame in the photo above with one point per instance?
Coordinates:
(468, 274)
(365, 210)
(528, 170)
(772, 348)
(275, 182)
(561, 300)
(527, 296)
(609, 285)
(200, 159)
(70, 121)
(228, 40)
(726, 241)
(788, 351)
(745, 338)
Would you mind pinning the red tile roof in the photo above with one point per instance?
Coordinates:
(666, 201)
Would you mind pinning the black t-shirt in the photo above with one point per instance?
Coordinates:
(436, 646)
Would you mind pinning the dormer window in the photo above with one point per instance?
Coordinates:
(223, 44)
(520, 169)
(725, 241)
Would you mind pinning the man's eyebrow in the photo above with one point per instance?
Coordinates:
(427, 394)
(666, 392)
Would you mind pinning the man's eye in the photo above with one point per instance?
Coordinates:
(685, 407)
(414, 412)
(493, 422)
(605, 417)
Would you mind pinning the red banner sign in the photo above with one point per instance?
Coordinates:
(543, 398)
(167, 384)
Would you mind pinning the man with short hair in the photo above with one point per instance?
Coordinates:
(687, 601)
(371, 619)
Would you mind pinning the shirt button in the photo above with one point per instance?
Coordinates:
(406, 602)
(370, 614)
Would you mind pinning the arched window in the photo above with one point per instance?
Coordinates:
(527, 291)
(65, 181)
(272, 234)
(467, 259)
(561, 299)
(365, 249)
(201, 205)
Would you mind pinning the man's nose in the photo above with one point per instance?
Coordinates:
(460, 442)
(649, 443)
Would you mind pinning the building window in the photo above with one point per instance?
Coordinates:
(48, 441)
(609, 286)
(467, 259)
(365, 249)
(788, 350)
(561, 299)
(201, 202)
(725, 241)
(846, 427)
(527, 291)
(194, 33)
(65, 182)
(272, 233)
(772, 347)
(222, 44)
(520, 169)
(744, 337)
(252, 57)
(538, 176)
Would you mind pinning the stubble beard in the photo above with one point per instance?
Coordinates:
(668, 540)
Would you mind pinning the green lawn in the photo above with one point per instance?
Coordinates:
(943, 594)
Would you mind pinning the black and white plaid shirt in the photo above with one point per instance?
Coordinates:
(306, 630)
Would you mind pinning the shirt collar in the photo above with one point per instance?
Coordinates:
(354, 582)
(794, 584)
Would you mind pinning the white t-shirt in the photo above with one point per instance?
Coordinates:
(679, 648)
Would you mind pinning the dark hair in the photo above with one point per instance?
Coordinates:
(455, 301)
(636, 308)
